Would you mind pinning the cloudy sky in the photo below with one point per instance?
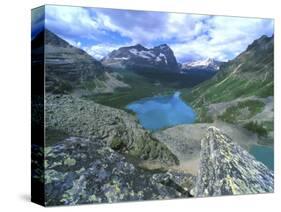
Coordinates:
(191, 37)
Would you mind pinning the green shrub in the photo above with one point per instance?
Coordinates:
(117, 144)
(234, 113)
(255, 127)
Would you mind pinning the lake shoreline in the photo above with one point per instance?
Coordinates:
(158, 112)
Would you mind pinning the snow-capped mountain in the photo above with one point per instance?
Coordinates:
(205, 64)
(139, 57)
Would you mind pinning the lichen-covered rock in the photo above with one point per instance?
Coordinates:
(79, 170)
(226, 168)
(113, 127)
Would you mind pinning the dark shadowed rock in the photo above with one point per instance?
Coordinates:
(226, 168)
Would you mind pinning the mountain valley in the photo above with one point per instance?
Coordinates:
(88, 120)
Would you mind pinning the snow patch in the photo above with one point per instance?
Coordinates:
(163, 57)
(121, 58)
(134, 51)
(143, 54)
(206, 63)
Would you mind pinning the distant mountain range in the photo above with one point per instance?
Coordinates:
(69, 67)
(160, 58)
(138, 57)
(208, 64)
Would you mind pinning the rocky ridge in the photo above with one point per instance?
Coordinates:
(116, 128)
(228, 169)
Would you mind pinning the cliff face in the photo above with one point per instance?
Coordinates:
(68, 68)
(227, 169)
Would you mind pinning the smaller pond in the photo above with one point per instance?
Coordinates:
(264, 154)
(165, 111)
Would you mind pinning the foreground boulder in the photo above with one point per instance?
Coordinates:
(80, 171)
(227, 169)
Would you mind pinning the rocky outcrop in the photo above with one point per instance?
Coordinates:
(228, 169)
(68, 68)
(66, 65)
(80, 170)
(139, 58)
(115, 128)
(84, 169)
(184, 140)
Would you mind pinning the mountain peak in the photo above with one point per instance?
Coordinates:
(207, 64)
(263, 41)
(139, 47)
(139, 57)
(52, 38)
(162, 46)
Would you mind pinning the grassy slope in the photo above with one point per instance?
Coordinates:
(250, 74)
(139, 88)
(242, 111)
(145, 84)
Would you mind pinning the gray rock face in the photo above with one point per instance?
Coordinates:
(66, 63)
(114, 127)
(139, 58)
(79, 171)
(227, 169)
(68, 68)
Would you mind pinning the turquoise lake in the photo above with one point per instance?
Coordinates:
(264, 154)
(160, 112)
(166, 111)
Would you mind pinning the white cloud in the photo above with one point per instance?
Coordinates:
(71, 21)
(197, 36)
(225, 39)
(101, 50)
(140, 27)
(147, 27)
